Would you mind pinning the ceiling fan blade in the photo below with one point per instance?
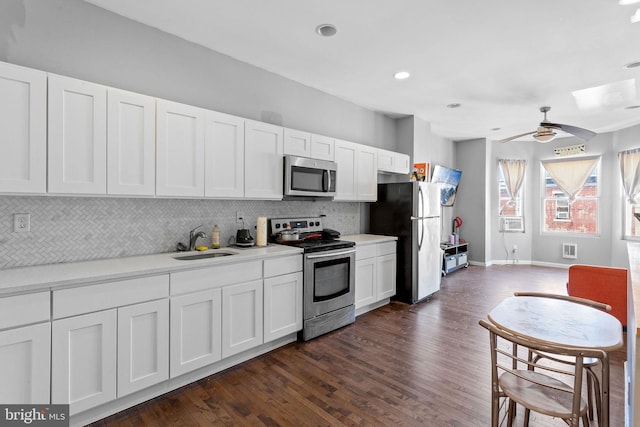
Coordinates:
(517, 136)
(581, 133)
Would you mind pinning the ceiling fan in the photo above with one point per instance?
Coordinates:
(546, 132)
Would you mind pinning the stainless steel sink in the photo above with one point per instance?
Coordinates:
(204, 255)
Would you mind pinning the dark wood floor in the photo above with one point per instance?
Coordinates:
(426, 364)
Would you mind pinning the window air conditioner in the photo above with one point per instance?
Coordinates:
(512, 224)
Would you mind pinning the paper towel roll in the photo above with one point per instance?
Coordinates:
(261, 231)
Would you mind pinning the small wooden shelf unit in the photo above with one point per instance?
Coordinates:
(454, 257)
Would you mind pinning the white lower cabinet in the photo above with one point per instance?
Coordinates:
(25, 364)
(282, 305)
(242, 317)
(83, 360)
(143, 345)
(375, 274)
(196, 325)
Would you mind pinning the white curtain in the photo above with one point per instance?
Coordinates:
(630, 171)
(513, 172)
(571, 175)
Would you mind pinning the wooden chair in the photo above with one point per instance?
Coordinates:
(530, 384)
(593, 383)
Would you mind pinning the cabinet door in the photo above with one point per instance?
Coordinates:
(131, 139)
(23, 120)
(282, 305)
(242, 311)
(224, 155)
(367, 171)
(179, 150)
(386, 276)
(263, 162)
(322, 147)
(402, 163)
(366, 282)
(195, 331)
(24, 364)
(83, 360)
(143, 345)
(347, 177)
(386, 161)
(77, 157)
(297, 143)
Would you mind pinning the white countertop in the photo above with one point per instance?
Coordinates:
(367, 239)
(50, 276)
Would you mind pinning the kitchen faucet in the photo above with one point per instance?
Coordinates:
(193, 236)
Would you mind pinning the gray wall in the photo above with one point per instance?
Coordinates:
(471, 200)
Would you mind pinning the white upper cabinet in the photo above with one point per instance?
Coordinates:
(392, 162)
(367, 173)
(322, 147)
(345, 156)
(77, 136)
(357, 173)
(179, 150)
(305, 144)
(263, 160)
(297, 143)
(130, 143)
(23, 124)
(224, 155)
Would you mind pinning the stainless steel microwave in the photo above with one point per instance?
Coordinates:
(304, 177)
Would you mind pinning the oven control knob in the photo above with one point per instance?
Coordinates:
(277, 225)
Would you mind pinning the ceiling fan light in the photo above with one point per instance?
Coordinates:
(544, 137)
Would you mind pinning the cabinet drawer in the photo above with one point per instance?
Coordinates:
(462, 259)
(24, 309)
(367, 251)
(450, 263)
(280, 266)
(87, 299)
(214, 277)
(386, 248)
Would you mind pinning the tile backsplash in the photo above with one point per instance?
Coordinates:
(65, 229)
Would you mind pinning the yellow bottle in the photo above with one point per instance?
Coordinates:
(215, 237)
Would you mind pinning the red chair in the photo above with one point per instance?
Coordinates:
(607, 285)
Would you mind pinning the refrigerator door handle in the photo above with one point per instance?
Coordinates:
(421, 215)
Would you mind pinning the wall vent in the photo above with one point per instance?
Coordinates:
(569, 250)
(512, 224)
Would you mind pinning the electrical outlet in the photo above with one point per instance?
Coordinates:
(21, 223)
(239, 216)
(515, 248)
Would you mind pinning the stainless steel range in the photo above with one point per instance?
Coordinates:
(328, 271)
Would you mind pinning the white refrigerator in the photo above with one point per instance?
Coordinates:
(411, 211)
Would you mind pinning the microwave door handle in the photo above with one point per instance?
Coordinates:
(326, 181)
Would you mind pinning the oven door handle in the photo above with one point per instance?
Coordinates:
(332, 254)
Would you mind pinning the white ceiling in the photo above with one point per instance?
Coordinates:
(500, 59)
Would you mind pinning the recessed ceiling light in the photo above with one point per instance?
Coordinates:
(627, 2)
(326, 30)
(495, 129)
(401, 75)
(454, 105)
(636, 16)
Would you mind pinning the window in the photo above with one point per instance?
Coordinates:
(632, 227)
(629, 161)
(506, 207)
(560, 213)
